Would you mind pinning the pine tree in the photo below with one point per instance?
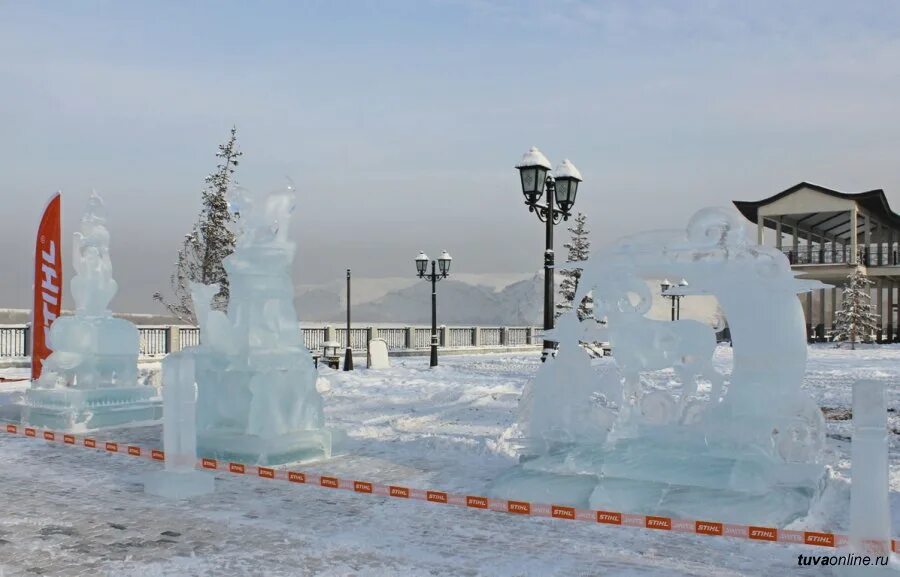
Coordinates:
(855, 320)
(210, 241)
(579, 251)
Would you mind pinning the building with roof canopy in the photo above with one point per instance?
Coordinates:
(825, 234)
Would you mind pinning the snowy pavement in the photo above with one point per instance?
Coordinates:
(75, 512)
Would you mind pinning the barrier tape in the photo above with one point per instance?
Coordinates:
(524, 508)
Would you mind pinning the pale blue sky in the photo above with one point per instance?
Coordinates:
(400, 122)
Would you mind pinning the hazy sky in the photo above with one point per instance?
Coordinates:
(400, 122)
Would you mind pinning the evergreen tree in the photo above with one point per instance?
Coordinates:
(855, 320)
(579, 251)
(210, 241)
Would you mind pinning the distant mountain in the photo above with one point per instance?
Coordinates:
(401, 301)
(319, 305)
(459, 303)
(21, 316)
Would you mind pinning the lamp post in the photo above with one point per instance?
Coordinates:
(665, 286)
(562, 186)
(348, 355)
(421, 267)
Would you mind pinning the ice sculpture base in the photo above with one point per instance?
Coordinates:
(295, 447)
(653, 476)
(76, 410)
(179, 484)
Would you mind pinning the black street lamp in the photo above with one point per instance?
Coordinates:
(421, 267)
(665, 286)
(348, 355)
(562, 186)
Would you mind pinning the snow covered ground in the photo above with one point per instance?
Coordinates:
(75, 512)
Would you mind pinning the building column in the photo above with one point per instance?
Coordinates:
(880, 309)
(795, 249)
(867, 238)
(890, 247)
(821, 332)
(809, 243)
(760, 226)
(809, 315)
(833, 307)
(890, 310)
(854, 236)
(778, 234)
(878, 238)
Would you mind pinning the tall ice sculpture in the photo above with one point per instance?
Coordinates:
(257, 399)
(747, 451)
(90, 380)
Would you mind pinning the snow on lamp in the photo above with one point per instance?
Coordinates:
(567, 179)
(444, 263)
(421, 263)
(533, 169)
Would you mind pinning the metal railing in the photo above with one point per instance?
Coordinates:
(394, 337)
(461, 337)
(159, 340)
(313, 338)
(14, 340)
(188, 337)
(516, 336)
(153, 341)
(490, 337)
(867, 255)
(358, 338)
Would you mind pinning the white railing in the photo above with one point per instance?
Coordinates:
(313, 338)
(516, 336)
(153, 341)
(188, 337)
(461, 337)
(159, 340)
(14, 340)
(394, 337)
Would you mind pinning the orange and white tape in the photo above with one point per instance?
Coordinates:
(524, 508)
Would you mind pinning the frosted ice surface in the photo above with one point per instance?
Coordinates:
(749, 452)
(869, 504)
(179, 479)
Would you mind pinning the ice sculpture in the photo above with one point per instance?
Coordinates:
(870, 511)
(180, 479)
(257, 399)
(90, 380)
(750, 453)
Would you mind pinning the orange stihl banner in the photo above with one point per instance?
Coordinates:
(522, 508)
(48, 283)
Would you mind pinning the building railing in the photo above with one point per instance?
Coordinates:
(160, 340)
(868, 255)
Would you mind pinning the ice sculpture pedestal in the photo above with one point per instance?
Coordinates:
(75, 410)
(297, 447)
(264, 410)
(85, 381)
(180, 479)
(179, 484)
(870, 506)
